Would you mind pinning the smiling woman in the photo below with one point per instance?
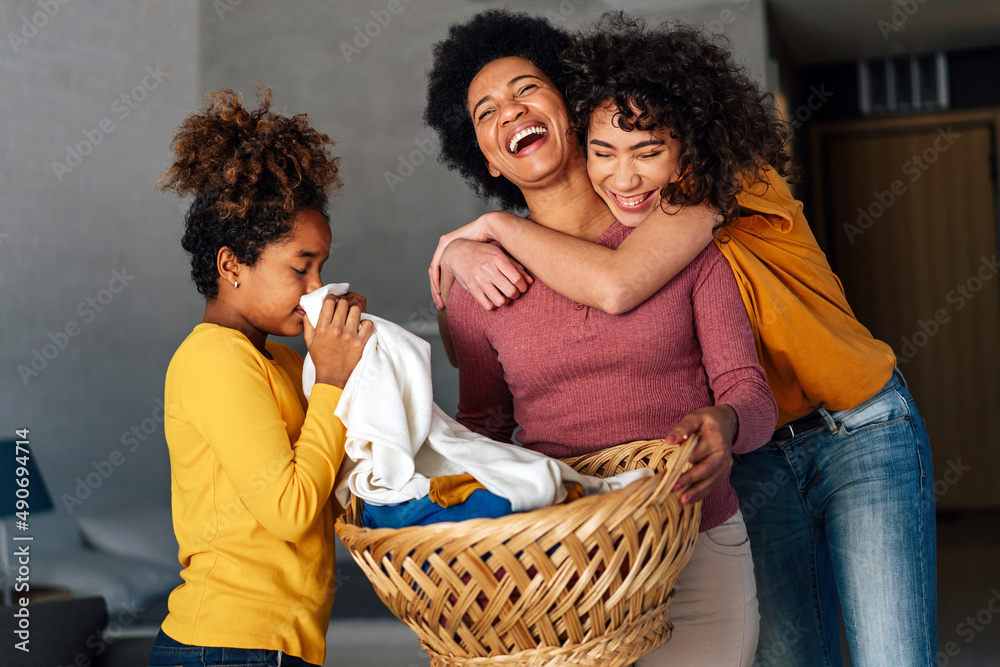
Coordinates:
(522, 127)
(450, 105)
(518, 89)
(629, 169)
(580, 380)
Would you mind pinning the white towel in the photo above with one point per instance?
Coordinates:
(397, 438)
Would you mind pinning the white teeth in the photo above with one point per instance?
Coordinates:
(631, 202)
(522, 134)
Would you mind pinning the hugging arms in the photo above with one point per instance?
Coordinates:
(831, 379)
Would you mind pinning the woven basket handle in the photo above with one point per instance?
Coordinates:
(678, 463)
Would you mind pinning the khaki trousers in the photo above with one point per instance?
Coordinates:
(714, 608)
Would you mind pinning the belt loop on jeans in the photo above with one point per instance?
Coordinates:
(898, 373)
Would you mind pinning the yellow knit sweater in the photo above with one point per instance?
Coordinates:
(251, 476)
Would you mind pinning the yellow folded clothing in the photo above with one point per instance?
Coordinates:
(451, 490)
(573, 491)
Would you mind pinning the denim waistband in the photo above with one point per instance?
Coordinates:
(821, 417)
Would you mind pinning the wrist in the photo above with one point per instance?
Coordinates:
(499, 224)
(493, 225)
(445, 264)
(730, 421)
(331, 379)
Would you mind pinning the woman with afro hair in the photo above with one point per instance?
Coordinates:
(252, 465)
(573, 378)
(840, 503)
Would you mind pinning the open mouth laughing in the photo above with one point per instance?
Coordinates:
(525, 136)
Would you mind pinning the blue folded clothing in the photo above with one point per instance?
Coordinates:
(423, 511)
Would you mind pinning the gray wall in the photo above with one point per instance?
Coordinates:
(63, 232)
(82, 373)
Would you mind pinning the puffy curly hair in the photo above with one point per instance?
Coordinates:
(470, 46)
(673, 76)
(250, 173)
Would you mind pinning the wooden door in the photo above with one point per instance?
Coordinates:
(910, 221)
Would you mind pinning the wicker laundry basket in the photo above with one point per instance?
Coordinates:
(585, 583)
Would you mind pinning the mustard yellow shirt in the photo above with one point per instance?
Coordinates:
(812, 348)
(251, 476)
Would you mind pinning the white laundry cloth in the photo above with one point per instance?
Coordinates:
(398, 438)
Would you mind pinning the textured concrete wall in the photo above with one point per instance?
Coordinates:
(94, 296)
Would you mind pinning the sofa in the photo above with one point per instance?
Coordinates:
(76, 632)
(98, 584)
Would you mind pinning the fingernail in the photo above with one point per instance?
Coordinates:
(687, 500)
(677, 487)
(671, 438)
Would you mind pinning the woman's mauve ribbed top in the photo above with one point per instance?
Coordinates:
(576, 379)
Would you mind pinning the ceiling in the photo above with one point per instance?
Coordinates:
(817, 31)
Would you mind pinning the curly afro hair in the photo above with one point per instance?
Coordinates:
(250, 173)
(673, 76)
(470, 46)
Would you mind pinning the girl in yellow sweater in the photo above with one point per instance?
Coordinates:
(252, 467)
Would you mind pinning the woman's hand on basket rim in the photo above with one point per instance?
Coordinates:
(712, 458)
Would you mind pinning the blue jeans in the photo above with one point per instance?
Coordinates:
(170, 653)
(846, 512)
